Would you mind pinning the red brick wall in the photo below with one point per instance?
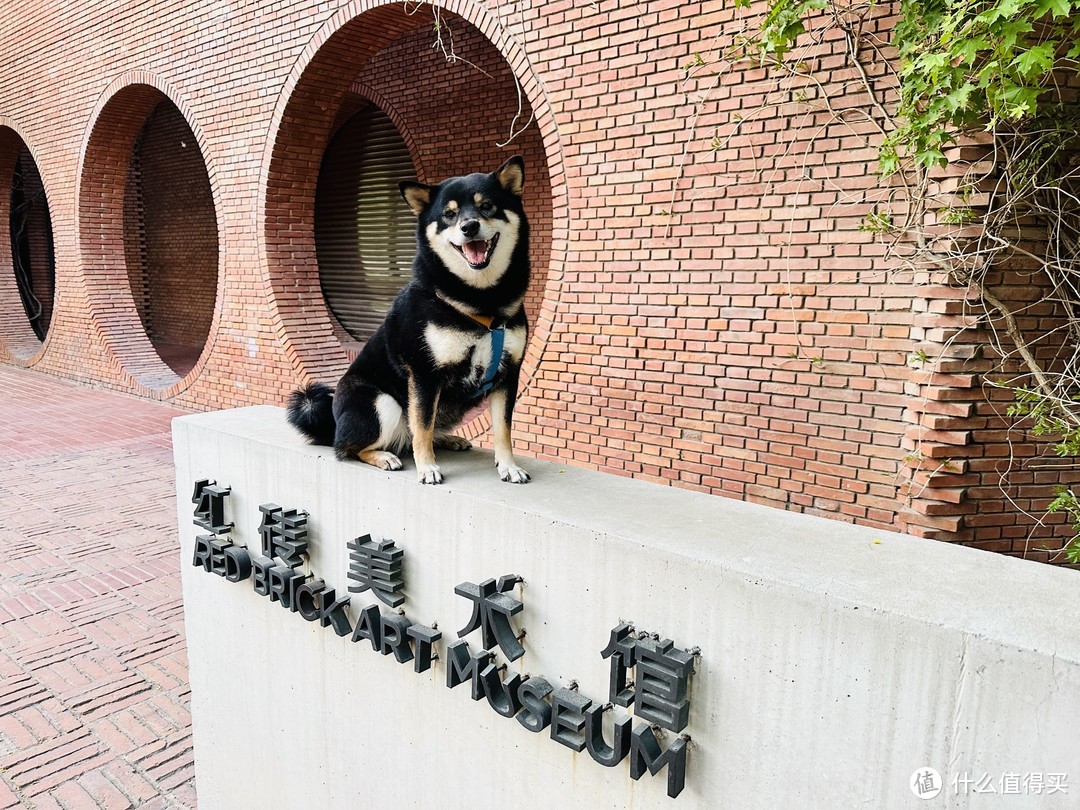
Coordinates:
(710, 315)
(725, 325)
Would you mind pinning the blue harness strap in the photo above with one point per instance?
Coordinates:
(497, 336)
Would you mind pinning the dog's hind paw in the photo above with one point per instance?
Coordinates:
(513, 473)
(449, 441)
(381, 459)
(429, 474)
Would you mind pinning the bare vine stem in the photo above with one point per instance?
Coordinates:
(446, 47)
(967, 227)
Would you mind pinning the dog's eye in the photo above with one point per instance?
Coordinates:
(487, 208)
(449, 215)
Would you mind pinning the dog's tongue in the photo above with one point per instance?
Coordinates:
(475, 251)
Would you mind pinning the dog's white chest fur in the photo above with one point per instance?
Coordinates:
(451, 346)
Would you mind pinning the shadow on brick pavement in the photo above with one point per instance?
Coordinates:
(93, 667)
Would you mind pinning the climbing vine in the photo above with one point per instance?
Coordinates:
(976, 105)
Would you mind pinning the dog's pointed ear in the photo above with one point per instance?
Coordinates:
(511, 175)
(417, 195)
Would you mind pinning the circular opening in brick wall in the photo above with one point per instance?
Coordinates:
(27, 267)
(149, 236)
(364, 234)
(453, 102)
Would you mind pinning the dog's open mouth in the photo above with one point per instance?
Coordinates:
(477, 252)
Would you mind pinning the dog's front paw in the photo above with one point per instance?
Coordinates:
(429, 474)
(512, 473)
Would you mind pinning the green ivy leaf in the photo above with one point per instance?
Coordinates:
(933, 61)
(1036, 61)
(1005, 10)
(969, 50)
(1019, 101)
(1010, 34)
(931, 158)
(958, 99)
(1056, 8)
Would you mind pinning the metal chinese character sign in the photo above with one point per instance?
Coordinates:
(648, 675)
(376, 566)
(492, 609)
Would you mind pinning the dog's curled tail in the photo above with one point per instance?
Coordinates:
(311, 411)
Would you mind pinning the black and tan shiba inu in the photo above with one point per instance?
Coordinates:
(455, 334)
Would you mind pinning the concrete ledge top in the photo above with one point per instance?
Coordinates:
(1024, 604)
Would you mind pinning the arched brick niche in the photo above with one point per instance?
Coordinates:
(364, 236)
(149, 237)
(452, 114)
(27, 268)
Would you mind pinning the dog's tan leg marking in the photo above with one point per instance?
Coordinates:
(382, 459)
(422, 426)
(448, 441)
(504, 452)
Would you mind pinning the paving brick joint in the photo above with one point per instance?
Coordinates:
(93, 666)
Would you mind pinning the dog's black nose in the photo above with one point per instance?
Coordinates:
(470, 227)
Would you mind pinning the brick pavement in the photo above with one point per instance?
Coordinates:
(93, 666)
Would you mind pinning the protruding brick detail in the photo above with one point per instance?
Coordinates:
(938, 439)
(972, 473)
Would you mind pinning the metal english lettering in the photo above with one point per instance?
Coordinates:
(659, 692)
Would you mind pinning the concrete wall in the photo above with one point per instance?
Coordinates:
(835, 660)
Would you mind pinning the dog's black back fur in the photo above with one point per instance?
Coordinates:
(434, 308)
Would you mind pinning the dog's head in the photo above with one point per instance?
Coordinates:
(472, 223)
